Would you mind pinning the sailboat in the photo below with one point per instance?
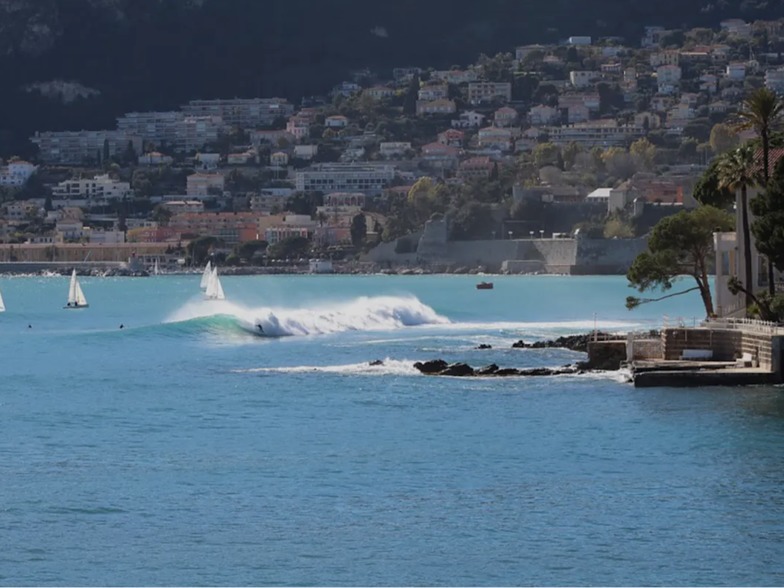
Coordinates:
(76, 297)
(156, 270)
(2, 303)
(205, 277)
(214, 289)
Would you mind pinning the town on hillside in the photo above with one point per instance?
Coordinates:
(596, 137)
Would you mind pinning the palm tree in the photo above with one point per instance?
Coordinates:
(761, 111)
(735, 170)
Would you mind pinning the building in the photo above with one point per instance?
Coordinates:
(344, 177)
(183, 206)
(298, 128)
(505, 117)
(99, 190)
(455, 76)
(580, 41)
(736, 72)
(276, 137)
(479, 92)
(231, 227)
(337, 121)
(668, 79)
(306, 152)
(468, 119)
(432, 92)
(774, 80)
(201, 184)
(390, 149)
(80, 147)
(340, 208)
(599, 133)
(441, 107)
(380, 92)
(582, 78)
(440, 155)
(16, 173)
(475, 168)
(496, 139)
(172, 130)
(451, 137)
(155, 158)
(245, 113)
(543, 115)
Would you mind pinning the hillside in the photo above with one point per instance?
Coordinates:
(156, 54)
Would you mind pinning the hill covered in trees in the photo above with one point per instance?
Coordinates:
(123, 55)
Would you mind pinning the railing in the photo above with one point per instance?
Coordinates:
(745, 324)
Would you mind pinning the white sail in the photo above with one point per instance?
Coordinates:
(214, 289)
(205, 277)
(156, 270)
(2, 303)
(76, 298)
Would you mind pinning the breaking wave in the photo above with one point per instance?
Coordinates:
(377, 313)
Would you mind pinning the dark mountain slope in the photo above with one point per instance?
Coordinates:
(155, 54)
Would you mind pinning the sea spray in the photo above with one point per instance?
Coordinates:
(360, 314)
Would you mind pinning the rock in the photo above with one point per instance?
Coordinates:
(376, 362)
(488, 370)
(457, 369)
(507, 372)
(433, 366)
(518, 344)
(484, 346)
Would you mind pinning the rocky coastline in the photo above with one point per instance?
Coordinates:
(599, 362)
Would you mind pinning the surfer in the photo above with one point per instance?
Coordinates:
(122, 326)
(260, 328)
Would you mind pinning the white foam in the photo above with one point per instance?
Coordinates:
(361, 314)
(388, 367)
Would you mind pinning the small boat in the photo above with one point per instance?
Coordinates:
(214, 290)
(205, 277)
(2, 303)
(484, 286)
(76, 298)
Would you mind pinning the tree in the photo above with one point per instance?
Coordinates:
(412, 95)
(679, 245)
(709, 190)
(762, 111)
(546, 154)
(723, 138)
(735, 173)
(644, 153)
(426, 197)
(768, 224)
(161, 215)
(290, 248)
(358, 230)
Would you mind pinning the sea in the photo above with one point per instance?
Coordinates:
(160, 439)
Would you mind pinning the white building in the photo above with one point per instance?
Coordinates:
(80, 147)
(16, 173)
(774, 80)
(99, 190)
(543, 115)
(736, 72)
(582, 79)
(245, 113)
(201, 184)
(389, 149)
(468, 119)
(344, 177)
(479, 92)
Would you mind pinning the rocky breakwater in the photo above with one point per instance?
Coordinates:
(439, 367)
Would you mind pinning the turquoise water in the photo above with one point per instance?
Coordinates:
(185, 450)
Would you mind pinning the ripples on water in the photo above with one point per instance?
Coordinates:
(183, 449)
